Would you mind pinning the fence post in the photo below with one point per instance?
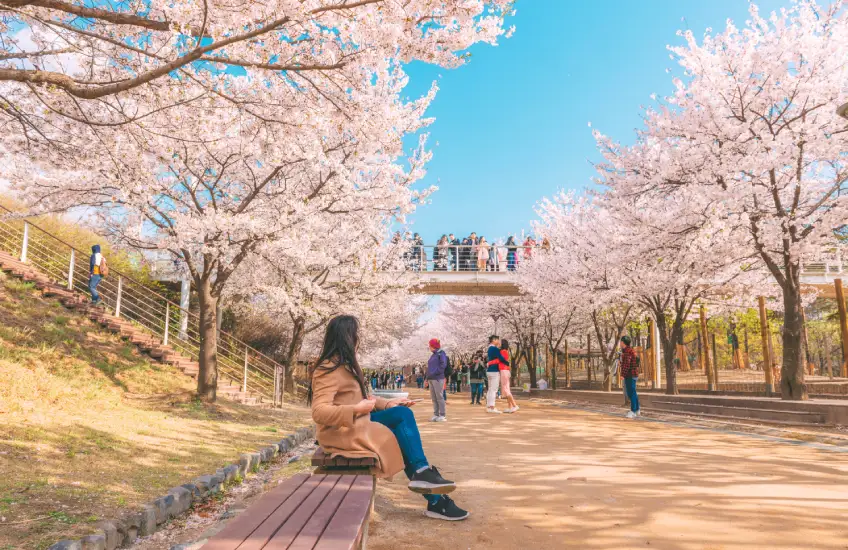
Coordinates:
(765, 332)
(711, 385)
(282, 385)
(25, 244)
(244, 380)
(118, 299)
(71, 271)
(657, 356)
(167, 323)
(185, 289)
(843, 325)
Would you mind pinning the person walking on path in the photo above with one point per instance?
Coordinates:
(629, 365)
(97, 269)
(355, 425)
(493, 373)
(506, 373)
(436, 366)
(478, 377)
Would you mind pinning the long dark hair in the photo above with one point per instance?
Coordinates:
(504, 344)
(340, 342)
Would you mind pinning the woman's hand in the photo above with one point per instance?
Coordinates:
(365, 406)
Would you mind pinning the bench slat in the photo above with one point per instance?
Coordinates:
(345, 530)
(318, 522)
(260, 537)
(296, 522)
(240, 527)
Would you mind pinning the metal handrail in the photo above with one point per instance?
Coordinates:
(135, 301)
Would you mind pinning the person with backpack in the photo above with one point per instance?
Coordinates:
(97, 269)
(629, 365)
(438, 369)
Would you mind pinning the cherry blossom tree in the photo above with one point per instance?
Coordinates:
(751, 142)
(220, 132)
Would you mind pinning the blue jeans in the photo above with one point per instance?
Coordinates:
(630, 386)
(373, 383)
(92, 287)
(476, 391)
(401, 421)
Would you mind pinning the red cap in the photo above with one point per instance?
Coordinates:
(435, 344)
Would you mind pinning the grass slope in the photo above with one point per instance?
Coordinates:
(90, 427)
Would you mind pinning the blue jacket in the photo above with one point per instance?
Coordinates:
(493, 355)
(436, 365)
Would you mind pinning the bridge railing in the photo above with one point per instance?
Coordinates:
(128, 298)
(497, 258)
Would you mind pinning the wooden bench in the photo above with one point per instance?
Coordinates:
(326, 464)
(315, 512)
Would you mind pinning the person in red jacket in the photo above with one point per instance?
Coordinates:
(630, 374)
(503, 367)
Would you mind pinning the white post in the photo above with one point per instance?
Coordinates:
(657, 362)
(167, 323)
(71, 271)
(282, 385)
(118, 299)
(25, 243)
(244, 382)
(185, 289)
(276, 384)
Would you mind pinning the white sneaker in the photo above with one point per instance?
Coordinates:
(442, 419)
(493, 411)
(639, 413)
(435, 419)
(631, 414)
(515, 409)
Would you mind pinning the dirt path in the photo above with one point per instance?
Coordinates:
(551, 478)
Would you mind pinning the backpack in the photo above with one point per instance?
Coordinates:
(448, 367)
(104, 268)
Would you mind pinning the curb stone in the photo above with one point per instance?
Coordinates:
(152, 516)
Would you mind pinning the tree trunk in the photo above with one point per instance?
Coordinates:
(792, 383)
(295, 344)
(531, 365)
(668, 343)
(207, 377)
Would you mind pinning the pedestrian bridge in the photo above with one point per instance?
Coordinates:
(498, 283)
(454, 271)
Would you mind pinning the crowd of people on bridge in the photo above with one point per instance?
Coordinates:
(471, 253)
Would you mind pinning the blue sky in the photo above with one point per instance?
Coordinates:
(512, 125)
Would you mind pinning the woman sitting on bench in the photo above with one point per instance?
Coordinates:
(354, 425)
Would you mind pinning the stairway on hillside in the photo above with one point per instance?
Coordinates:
(127, 330)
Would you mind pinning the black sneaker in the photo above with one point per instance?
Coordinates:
(430, 482)
(446, 509)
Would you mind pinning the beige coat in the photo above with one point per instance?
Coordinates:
(341, 432)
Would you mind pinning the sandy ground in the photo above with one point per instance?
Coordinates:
(550, 477)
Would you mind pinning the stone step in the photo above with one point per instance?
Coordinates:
(803, 417)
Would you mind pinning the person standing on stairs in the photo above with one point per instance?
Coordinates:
(96, 271)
